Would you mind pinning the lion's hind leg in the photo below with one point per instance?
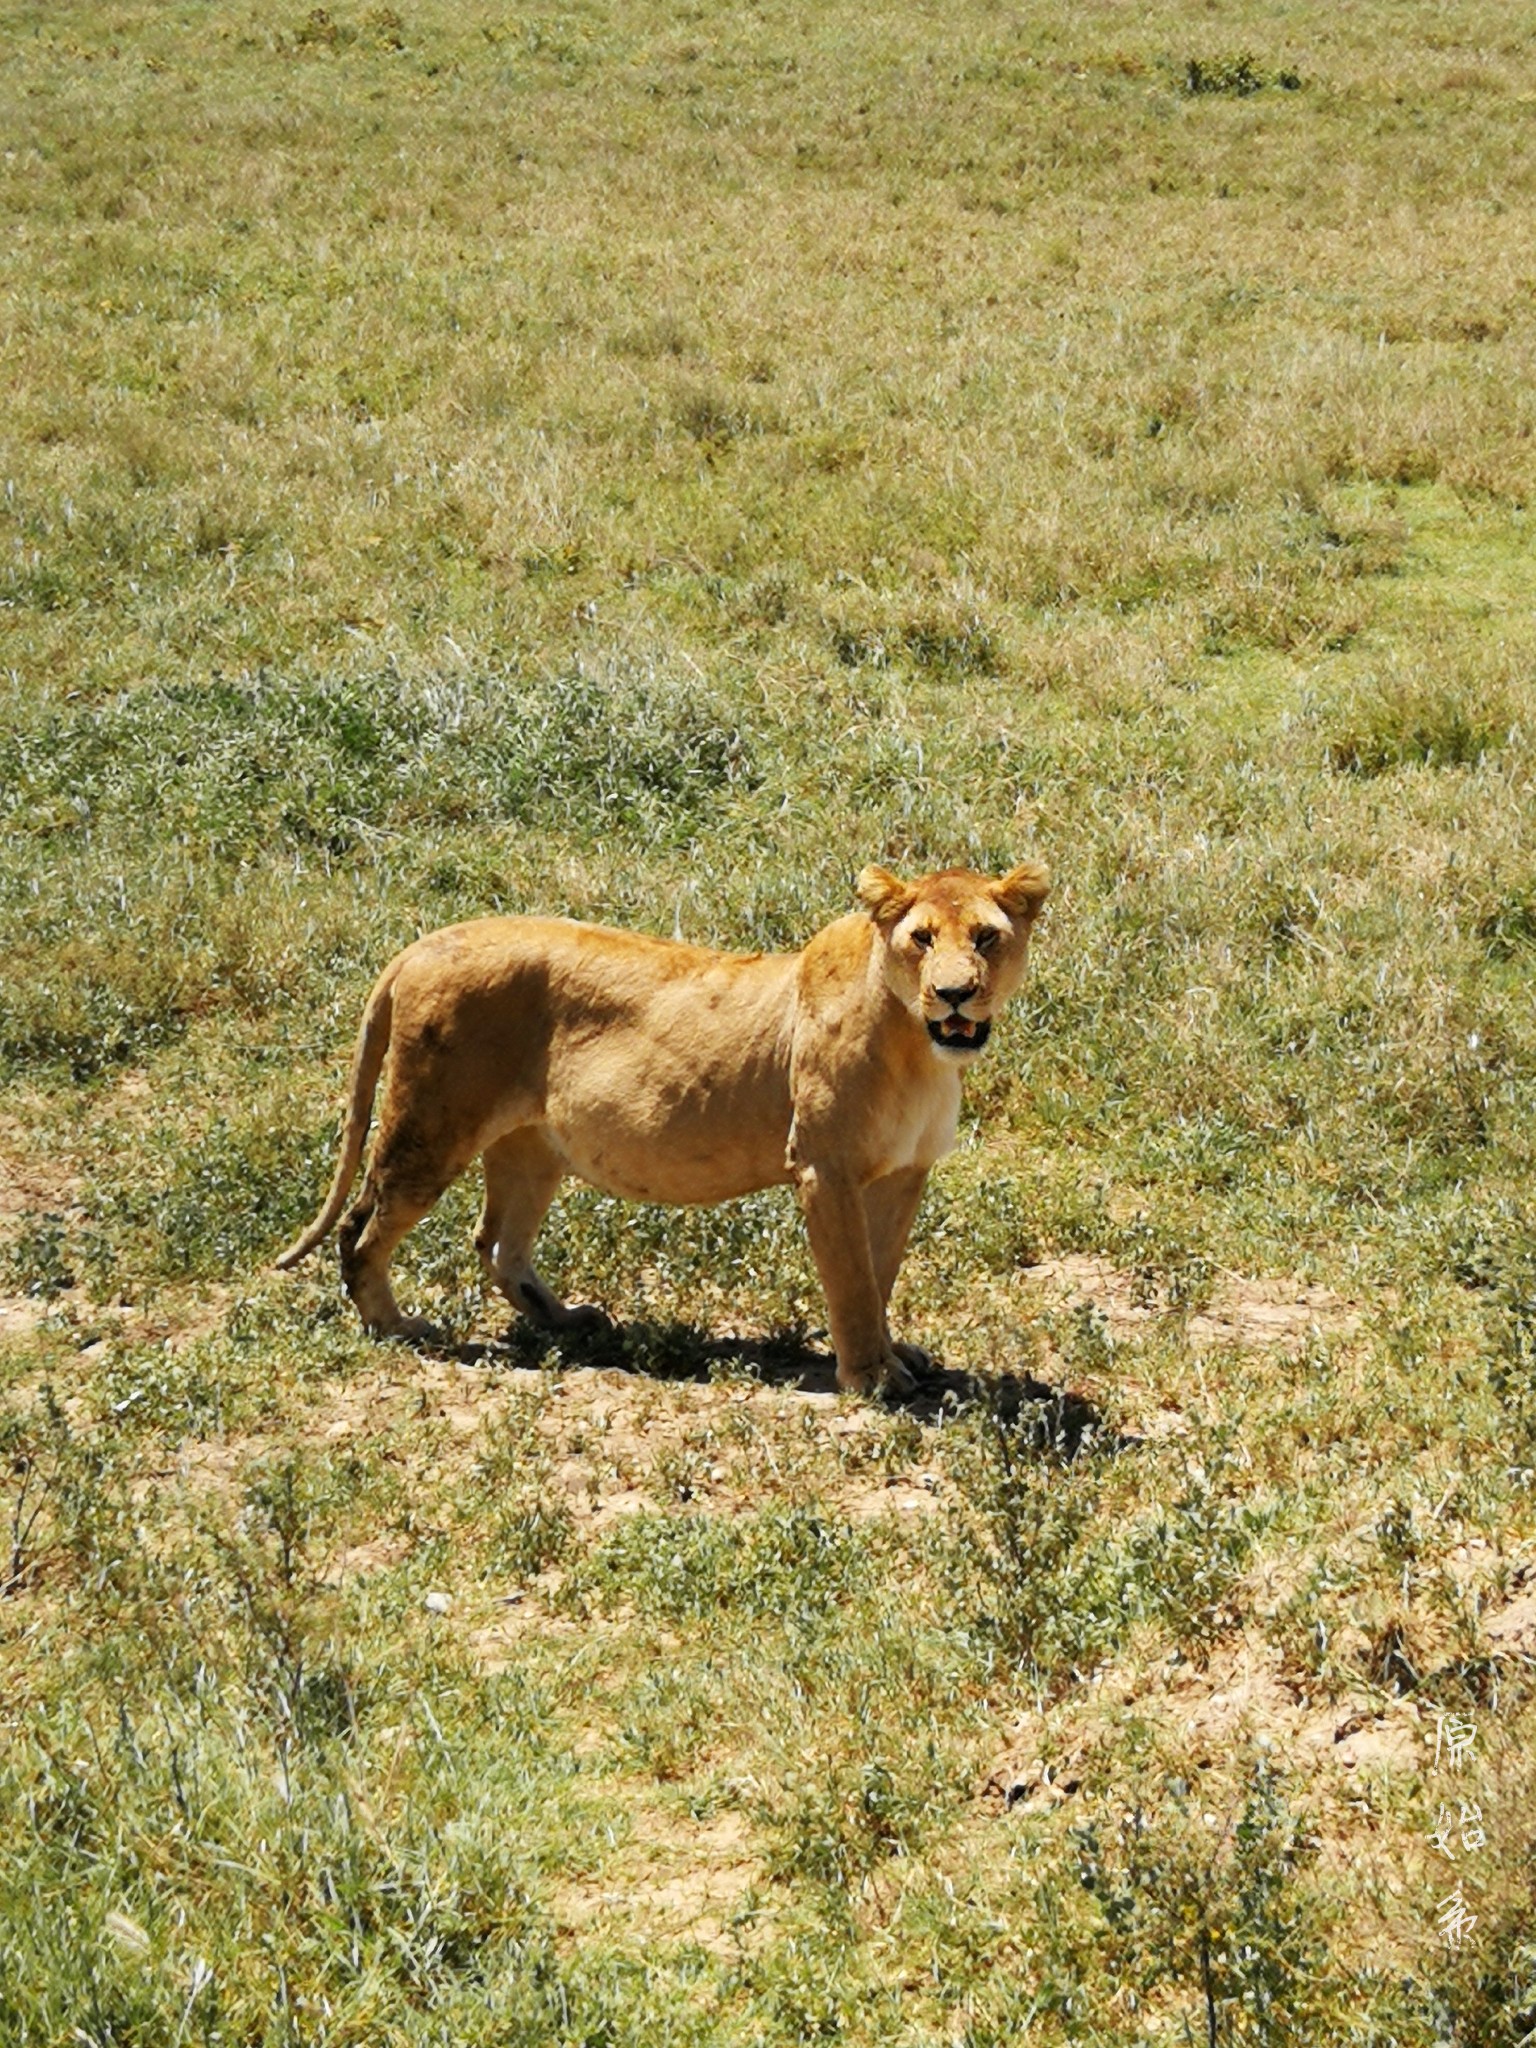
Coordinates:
(522, 1174)
(397, 1192)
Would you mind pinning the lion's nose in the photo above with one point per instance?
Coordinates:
(956, 996)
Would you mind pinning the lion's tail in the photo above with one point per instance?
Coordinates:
(367, 1063)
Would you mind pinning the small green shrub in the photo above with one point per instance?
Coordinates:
(213, 1206)
(947, 640)
(528, 1532)
(1219, 1915)
(1186, 1560)
(1508, 929)
(1420, 721)
(1237, 76)
(1512, 1372)
(833, 1825)
(950, 641)
(37, 1259)
(708, 413)
(791, 1566)
(669, 1720)
(1026, 1558)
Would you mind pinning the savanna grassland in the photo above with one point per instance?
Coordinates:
(643, 462)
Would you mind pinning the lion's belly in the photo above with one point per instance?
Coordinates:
(684, 1175)
(653, 1148)
(674, 1115)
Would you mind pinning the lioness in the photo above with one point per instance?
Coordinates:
(667, 1073)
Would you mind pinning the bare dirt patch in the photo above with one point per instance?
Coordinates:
(175, 1320)
(20, 1315)
(30, 1184)
(1263, 1314)
(680, 1880)
(617, 1442)
(1243, 1700)
(1511, 1632)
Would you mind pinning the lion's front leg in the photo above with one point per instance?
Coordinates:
(890, 1208)
(838, 1227)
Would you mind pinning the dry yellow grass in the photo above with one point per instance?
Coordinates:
(644, 462)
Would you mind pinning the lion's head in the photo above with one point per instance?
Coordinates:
(954, 945)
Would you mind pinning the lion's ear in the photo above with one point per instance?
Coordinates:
(1022, 891)
(884, 895)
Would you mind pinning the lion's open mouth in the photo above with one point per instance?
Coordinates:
(960, 1034)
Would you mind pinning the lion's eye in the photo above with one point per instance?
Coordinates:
(922, 938)
(987, 939)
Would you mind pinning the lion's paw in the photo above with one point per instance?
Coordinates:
(583, 1319)
(891, 1375)
(414, 1330)
(898, 1379)
(916, 1358)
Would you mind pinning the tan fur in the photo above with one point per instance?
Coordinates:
(667, 1073)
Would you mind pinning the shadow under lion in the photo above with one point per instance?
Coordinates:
(1052, 1418)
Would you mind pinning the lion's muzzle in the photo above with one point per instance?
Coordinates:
(955, 1033)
